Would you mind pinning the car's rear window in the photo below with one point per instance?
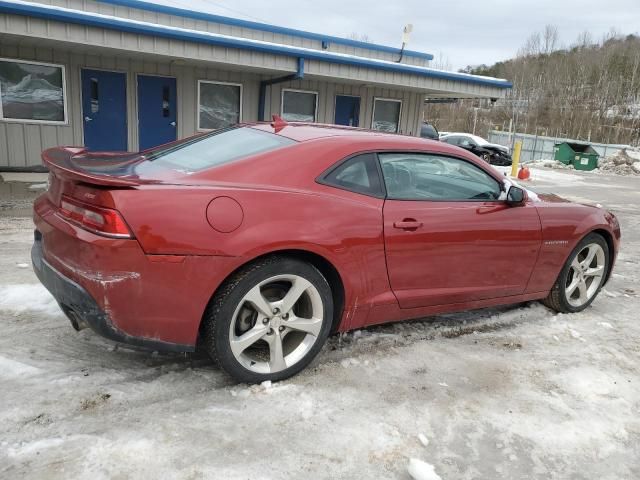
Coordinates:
(216, 148)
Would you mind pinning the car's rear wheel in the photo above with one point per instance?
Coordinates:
(582, 276)
(269, 320)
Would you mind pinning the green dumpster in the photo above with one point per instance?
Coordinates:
(581, 155)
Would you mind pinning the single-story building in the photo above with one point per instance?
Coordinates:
(129, 75)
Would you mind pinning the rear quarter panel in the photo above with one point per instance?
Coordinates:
(342, 227)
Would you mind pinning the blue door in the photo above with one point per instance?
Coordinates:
(347, 110)
(104, 110)
(157, 105)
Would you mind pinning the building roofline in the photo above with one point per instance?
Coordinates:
(266, 27)
(61, 14)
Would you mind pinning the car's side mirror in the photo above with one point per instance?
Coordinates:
(516, 196)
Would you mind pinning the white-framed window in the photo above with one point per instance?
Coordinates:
(299, 105)
(386, 114)
(219, 104)
(32, 92)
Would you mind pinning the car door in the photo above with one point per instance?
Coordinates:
(451, 140)
(468, 144)
(449, 237)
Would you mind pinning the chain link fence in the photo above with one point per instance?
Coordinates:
(536, 147)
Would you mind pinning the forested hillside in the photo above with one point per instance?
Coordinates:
(590, 90)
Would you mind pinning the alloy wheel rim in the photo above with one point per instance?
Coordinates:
(585, 275)
(276, 324)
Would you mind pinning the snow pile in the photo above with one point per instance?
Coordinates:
(420, 470)
(22, 297)
(623, 162)
(13, 369)
(555, 164)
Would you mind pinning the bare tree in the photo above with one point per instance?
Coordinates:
(588, 91)
(549, 39)
(360, 37)
(442, 62)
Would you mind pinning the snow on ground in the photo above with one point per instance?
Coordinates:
(420, 470)
(29, 296)
(510, 392)
(623, 162)
(555, 176)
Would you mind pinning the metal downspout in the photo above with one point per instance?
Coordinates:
(264, 83)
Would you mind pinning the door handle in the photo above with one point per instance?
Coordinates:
(173, 124)
(87, 119)
(408, 224)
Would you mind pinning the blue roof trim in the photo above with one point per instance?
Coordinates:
(49, 12)
(236, 22)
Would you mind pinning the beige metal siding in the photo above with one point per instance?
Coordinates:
(22, 143)
(327, 91)
(435, 86)
(176, 21)
(77, 46)
(137, 45)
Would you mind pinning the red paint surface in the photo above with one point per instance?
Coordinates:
(157, 285)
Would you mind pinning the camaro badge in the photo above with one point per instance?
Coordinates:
(556, 242)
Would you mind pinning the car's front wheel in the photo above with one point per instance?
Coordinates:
(269, 320)
(581, 277)
(486, 157)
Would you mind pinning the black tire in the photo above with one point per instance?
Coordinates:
(217, 320)
(557, 299)
(486, 157)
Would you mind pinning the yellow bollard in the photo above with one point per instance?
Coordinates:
(515, 158)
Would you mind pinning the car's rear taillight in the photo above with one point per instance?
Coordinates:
(100, 220)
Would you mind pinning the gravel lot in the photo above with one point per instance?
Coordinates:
(515, 392)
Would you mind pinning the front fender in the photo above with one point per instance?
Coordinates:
(564, 225)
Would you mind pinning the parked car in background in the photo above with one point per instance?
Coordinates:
(429, 131)
(489, 152)
(258, 241)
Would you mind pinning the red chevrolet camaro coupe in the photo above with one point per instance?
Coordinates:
(258, 241)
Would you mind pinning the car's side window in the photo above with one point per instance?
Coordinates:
(421, 176)
(357, 174)
(451, 140)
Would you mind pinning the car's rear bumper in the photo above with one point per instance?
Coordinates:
(81, 308)
(152, 300)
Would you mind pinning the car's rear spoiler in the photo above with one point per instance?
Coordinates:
(75, 163)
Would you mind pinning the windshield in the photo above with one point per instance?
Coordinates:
(213, 149)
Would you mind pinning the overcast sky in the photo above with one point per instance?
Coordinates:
(462, 31)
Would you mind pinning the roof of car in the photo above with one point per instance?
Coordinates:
(469, 135)
(302, 132)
